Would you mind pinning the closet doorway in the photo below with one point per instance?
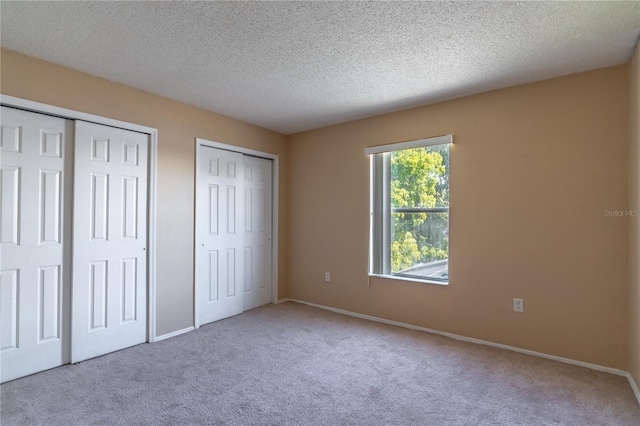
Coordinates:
(75, 247)
(235, 229)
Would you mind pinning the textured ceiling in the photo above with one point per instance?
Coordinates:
(294, 66)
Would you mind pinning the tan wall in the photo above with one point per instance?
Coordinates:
(634, 222)
(533, 168)
(178, 125)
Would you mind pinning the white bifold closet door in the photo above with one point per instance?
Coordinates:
(257, 232)
(34, 283)
(109, 240)
(219, 248)
(233, 233)
(67, 296)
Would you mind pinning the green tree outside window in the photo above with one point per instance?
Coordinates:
(419, 180)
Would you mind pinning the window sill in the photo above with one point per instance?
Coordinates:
(415, 280)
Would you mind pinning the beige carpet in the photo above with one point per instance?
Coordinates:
(291, 364)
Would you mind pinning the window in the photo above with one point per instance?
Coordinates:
(410, 209)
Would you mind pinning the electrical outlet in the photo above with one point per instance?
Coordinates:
(518, 305)
(327, 276)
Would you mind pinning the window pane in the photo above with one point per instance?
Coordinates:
(420, 177)
(420, 239)
(420, 244)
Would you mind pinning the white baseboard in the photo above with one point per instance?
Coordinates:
(173, 334)
(634, 386)
(472, 340)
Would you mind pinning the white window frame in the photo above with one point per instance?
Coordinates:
(380, 207)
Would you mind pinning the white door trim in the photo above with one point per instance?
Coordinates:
(28, 105)
(274, 206)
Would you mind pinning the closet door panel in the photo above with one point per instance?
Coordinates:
(34, 235)
(110, 240)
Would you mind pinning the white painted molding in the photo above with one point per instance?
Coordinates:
(71, 114)
(634, 387)
(151, 218)
(275, 230)
(470, 340)
(196, 183)
(28, 105)
(418, 143)
(174, 334)
(234, 148)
